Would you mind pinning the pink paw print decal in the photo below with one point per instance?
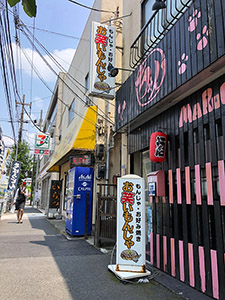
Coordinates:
(182, 64)
(121, 109)
(193, 20)
(202, 39)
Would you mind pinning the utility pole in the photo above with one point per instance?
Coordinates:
(34, 184)
(21, 119)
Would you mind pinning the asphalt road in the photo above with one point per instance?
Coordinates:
(37, 262)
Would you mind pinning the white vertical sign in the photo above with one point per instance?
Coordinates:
(130, 224)
(102, 53)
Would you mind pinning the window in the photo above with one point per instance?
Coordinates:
(71, 112)
(163, 20)
(147, 11)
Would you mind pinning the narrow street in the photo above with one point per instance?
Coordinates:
(37, 262)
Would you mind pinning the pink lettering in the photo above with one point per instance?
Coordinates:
(146, 87)
(209, 103)
(222, 93)
(206, 97)
(197, 112)
(217, 101)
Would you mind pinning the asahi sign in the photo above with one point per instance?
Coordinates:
(130, 224)
(102, 53)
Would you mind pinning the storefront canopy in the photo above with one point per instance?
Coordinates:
(82, 139)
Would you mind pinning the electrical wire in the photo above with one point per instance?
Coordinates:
(58, 33)
(69, 76)
(21, 24)
(57, 75)
(91, 8)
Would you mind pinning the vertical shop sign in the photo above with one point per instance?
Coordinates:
(102, 53)
(14, 175)
(130, 224)
(55, 190)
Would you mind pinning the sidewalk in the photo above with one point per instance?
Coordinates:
(167, 281)
(38, 262)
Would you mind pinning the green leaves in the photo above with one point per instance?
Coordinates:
(29, 6)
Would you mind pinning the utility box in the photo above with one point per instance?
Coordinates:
(156, 183)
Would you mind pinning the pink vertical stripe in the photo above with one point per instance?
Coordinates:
(151, 199)
(172, 246)
(209, 183)
(181, 259)
(215, 282)
(179, 198)
(151, 248)
(198, 185)
(158, 251)
(221, 181)
(191, 265)
(170, 173)
(202, 267)
(188, 185)
(164, 253)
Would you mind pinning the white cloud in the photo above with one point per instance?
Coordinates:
(63, 57)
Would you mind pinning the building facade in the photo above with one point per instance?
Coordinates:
(84, 122)
(178, 87)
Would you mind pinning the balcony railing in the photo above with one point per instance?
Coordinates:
(156, 28)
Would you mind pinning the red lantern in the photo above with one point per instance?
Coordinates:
(157, 148)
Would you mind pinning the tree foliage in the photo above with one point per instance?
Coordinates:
(24, 157)
(29, 6)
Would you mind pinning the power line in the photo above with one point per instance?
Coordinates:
(58, 33)
(59, 66)
(22, 26)
(91, 8)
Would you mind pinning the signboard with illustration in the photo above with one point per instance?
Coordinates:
(130, 224)
(103, 43)
(42, 144)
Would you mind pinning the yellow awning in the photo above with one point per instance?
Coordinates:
(77, 138)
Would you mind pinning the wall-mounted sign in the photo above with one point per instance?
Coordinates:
(14, 175)
(151, 188)
(103, 43)
(42, 144)
(157, 149)
(80, 160)
(130, 224)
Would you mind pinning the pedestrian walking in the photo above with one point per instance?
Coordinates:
(19, 201)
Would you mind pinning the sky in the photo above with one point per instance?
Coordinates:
(59, 16)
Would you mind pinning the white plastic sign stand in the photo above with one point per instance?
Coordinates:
(130, 252)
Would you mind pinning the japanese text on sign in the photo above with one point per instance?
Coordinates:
(14, 175)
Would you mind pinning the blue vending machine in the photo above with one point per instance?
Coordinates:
(79, 201)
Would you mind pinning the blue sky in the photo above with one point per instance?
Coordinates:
(59, 16)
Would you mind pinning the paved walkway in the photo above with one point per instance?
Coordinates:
(38, 262)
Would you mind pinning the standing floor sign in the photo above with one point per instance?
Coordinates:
(130, 257)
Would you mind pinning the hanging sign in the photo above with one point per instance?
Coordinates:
(14, 175)
(130, 224)
(157, 149)
(42, 144)
(102, 53)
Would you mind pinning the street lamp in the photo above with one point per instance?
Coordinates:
(113, 71)
(159, 4)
